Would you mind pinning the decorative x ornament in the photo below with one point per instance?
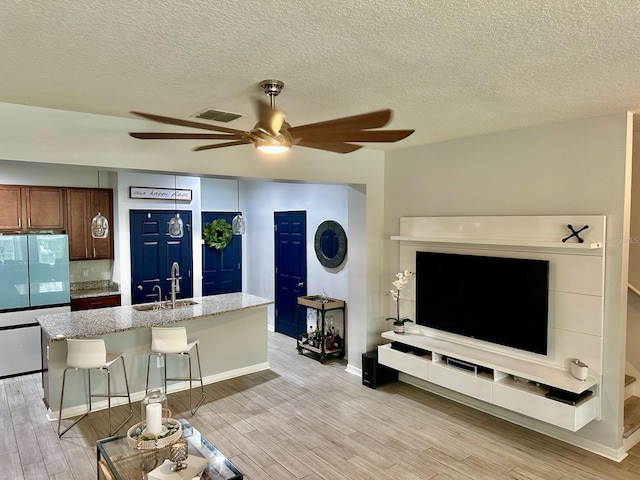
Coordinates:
(574, 233)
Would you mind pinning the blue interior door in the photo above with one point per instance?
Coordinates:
(153, 252)
(221, 269)
(291, 271)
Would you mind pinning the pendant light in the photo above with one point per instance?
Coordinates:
(99, 223)
(238, 224)
(176, 225)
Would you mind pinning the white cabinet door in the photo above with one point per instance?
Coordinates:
(20, 350)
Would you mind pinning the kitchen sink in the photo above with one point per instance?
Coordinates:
(147, 307)
(181, 303)
(164, 306)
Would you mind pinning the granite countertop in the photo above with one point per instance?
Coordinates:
(92, 323)
(100, 288)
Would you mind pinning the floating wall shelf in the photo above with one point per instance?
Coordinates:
(504, 242)
(522, 232)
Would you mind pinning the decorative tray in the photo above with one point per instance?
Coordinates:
(320, 302)
(140, 440)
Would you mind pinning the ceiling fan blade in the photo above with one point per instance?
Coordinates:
(187, 123)
(184, 136)
(336, 147)
(220, 145)
(269, 119)
(364, 121)
(363, 136)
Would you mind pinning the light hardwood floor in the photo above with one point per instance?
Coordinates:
(304, 420)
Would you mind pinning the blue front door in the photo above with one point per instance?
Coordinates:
(221, 269)
(153, 252)
(291, 271)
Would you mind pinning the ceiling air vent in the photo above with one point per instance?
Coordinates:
(218, 115)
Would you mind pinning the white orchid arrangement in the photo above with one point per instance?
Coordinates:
(401, 281)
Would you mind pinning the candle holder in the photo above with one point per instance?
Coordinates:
(178, 453)
(157, 429)
(154, 413)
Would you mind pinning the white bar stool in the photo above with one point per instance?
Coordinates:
(173, 341)
(89, 354)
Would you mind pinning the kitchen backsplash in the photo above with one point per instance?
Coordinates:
(90, 270)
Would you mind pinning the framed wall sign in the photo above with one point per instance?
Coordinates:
(152, 193)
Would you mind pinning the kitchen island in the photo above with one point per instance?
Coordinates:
(232, 329)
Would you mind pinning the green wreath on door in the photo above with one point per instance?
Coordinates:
(217, 234)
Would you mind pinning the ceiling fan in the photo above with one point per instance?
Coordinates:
(272, 134)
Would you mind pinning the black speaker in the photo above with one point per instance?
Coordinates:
(374, 374)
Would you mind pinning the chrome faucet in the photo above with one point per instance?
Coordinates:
(159, 294)
(175, 282)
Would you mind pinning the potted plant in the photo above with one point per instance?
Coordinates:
(401, 281)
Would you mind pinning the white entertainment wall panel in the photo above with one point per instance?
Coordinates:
(576, 309)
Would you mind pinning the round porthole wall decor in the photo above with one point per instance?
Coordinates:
(330, 244)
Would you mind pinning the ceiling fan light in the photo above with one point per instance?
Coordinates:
(273, 144)
(273, 149)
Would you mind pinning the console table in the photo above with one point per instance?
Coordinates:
(515, 384)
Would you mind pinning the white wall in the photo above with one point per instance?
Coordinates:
(17, 173)
(577, 167)
(320, 202)
(359, 337)
(633, 314)
(219, 195)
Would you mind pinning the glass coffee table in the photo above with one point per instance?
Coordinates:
(124, 462)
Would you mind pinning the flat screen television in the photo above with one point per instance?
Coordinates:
(499, 300)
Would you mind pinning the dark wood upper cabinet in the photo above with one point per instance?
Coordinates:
(10, 207)
(44, 207)
(31, 208)
(82, 205)
(77, 215)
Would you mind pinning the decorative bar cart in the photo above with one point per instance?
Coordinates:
(321, 341)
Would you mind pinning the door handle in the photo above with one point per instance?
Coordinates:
(301, 284)
(140, 288)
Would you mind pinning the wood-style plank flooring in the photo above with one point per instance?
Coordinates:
(304, 420)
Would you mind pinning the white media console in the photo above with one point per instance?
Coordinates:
(492, 380)
(514, 380)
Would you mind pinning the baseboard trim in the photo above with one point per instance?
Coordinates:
(353, 370)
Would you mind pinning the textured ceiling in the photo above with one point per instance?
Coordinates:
(447, 68)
